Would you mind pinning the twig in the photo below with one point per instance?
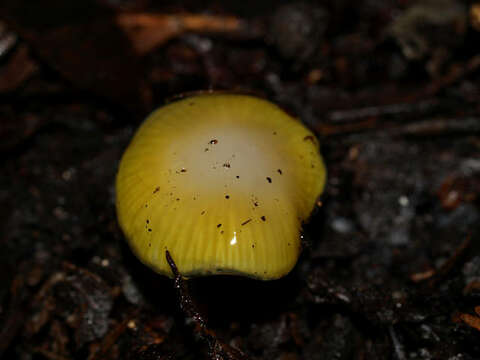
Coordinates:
(419, 101)
(48, 354)
(148, 31)
(456, 73)
(434, 276)
(18, 311)
(349, 115)
(445, 269)
(397, 346)
(218, 350)
(110, 339)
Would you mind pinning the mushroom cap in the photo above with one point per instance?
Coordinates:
(223, 182)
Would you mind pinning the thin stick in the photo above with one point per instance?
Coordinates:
(218, 350)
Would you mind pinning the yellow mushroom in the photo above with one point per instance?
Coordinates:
(221, 181)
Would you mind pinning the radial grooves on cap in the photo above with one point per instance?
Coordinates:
(204, 171)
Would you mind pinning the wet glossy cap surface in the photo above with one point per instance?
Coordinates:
(223, 182)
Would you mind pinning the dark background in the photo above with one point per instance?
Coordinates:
(391, 266)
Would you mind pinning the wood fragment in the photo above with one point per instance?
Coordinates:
(470, 320)
(148, 31)
(18, 69)
(475, 16)
(422, 276)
